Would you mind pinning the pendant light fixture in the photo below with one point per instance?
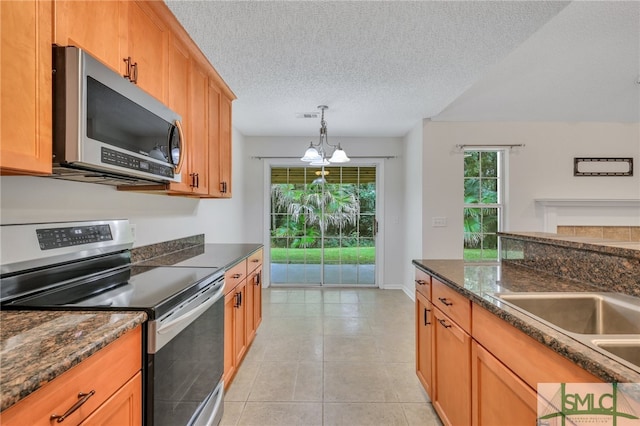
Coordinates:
(316, 154)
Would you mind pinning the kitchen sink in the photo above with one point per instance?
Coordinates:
(582, 313)
(627, 350)
(607, 322)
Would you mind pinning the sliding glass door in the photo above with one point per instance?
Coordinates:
(323, 225)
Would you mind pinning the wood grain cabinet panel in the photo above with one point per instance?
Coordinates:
(456, 306)
(424, 342)
(103, 373)
(499, 397)
(147, 46)
(25, 88)
(451, 371)
(76, 25)
(507, 343)
(124, 408)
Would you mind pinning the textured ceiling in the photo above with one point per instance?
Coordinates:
(382, 66)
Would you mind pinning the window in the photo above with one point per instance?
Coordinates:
(483, 208)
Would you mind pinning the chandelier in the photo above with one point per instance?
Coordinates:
(316, 154)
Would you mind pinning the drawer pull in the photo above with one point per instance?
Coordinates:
(83, 397)
(445, 301)
(255, 260)
(236, 276)
(421, 282)
(426, 322)
(444, 323)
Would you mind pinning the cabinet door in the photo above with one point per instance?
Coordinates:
(452, 371)
(179, 67)
(225, 146)
(147, 46)
(198, 148)
(424, 342)
(214, 99)
(25, 88)
(257, 298)
(94, 26)
(499, 396)
(240, 332)
(124, 408)
(229, 327)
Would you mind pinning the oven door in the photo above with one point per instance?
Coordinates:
(186, 361)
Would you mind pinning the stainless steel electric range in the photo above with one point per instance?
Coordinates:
(87, 266)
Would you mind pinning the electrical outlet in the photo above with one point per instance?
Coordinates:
(133, 231)
(438, 222)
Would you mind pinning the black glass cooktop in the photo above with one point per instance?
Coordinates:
(153, 289)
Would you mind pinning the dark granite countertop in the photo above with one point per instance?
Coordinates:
(38, 346)
(479, 281)
(204, 255)
(629, 249)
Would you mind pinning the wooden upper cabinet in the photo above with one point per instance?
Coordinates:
(225, 146)
(179, 67)
(198, 140)
(76, 25)
(147, 46)
(25, 90)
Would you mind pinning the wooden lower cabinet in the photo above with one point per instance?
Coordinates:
(498, 396)
(124, 408)
(113, 374)
(451, 371)
(424, 342)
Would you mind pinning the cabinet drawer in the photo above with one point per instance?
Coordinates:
(103, 373)
(234, 275)
(423, 283)
(454, 305)
(254, 261)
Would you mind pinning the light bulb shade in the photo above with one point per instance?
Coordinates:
(339, 156)
(320, 162)
(311, 154)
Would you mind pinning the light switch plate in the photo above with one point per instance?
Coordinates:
(438, 222)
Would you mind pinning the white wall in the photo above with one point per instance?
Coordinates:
(543, 169)
(413, 193)
(391, 237)
(157, 217)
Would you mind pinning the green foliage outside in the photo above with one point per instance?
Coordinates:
(481, 187)
(343, 255)
(302, 213)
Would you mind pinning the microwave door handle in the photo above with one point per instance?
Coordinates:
(183, 146)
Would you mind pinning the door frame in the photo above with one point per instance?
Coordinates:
(378, 163)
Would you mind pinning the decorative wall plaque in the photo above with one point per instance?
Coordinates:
(603, 166)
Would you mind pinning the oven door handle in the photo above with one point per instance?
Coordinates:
(160, 334)
(193, 313)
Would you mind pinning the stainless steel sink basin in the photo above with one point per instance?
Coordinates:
(627, 350)
(582, 313)
(607, 322)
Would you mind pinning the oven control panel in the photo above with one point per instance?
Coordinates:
(52, 238)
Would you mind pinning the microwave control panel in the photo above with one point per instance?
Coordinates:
(117, 158)
(52, 238)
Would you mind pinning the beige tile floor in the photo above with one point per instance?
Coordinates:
(331, 357)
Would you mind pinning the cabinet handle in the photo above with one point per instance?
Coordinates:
(193, 180)
(223, 187)
(255, 260)
(132, 70)
(445, 301)
(134, 80)
(82, 398)
(236, 276)
(257, 280)
(197, 180)
(421, 282)
(425, 316)
(444, 323)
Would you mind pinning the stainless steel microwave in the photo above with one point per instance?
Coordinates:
(106, 129)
